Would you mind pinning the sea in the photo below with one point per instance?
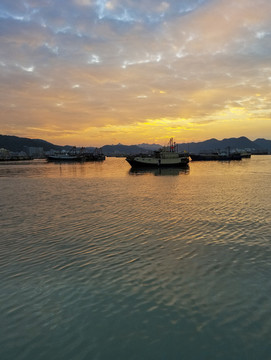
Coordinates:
(99, 261)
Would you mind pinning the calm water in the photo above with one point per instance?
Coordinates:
(98, 262)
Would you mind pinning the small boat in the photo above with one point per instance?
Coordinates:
(227, 156)
(167, 156)
(246, 154)
(97, 155)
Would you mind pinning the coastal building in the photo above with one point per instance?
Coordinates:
(6, 155)
(35, 152)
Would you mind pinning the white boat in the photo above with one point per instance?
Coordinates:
(64, 157)
(165, 157)
(77, 155)
(71, 155)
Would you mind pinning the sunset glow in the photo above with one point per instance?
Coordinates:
(90, 73)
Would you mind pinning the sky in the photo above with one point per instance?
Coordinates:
(96, 72)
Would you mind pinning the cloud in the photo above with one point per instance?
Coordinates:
(119, 63)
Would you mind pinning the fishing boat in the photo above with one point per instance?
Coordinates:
(64, 157)
(77, 155)
(167, 156)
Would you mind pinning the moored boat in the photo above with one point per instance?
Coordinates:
(97, 155)
(218, 155)
(165, 157)
(76, 155)
(64, 157)
(204, 157)
(246, 154)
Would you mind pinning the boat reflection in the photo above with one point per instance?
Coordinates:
(168, 171)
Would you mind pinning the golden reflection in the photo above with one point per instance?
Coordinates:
(159, 172)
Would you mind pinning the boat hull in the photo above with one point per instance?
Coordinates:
(157, 163)
(77, 158)
(215, 157)
(64, 158)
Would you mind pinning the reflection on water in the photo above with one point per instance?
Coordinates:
(98, 264)
(42, 168)
(168, 171)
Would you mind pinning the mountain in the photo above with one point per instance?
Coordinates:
(150, 147)
(16, 144)
(234, 143)
(121, 150)
(263, 144)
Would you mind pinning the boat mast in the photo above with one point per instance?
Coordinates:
(172, 145)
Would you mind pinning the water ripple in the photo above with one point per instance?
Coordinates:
(127, 267)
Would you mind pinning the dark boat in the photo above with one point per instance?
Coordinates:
(246, 154)
(204, 157)
(97, 155)
(218, 156)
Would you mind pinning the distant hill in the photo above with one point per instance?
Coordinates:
(259, 145)
(16, 144)
(119, 150)
(150, 147)
(263, 144)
